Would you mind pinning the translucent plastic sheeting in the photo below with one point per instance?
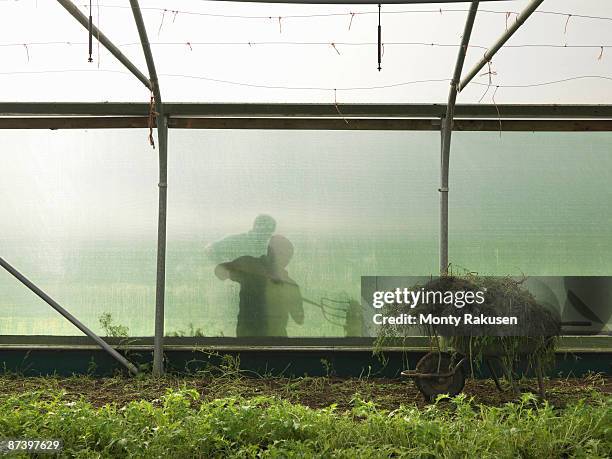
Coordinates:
(357, 203)
(270, 52)
(532, 203)
(79, 219)
(79, 216)
(351, 204)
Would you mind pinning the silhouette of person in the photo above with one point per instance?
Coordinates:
(268, 296)
(253, 243)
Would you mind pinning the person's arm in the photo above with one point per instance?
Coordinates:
(297, 307)
(235, 270)
(219, 251)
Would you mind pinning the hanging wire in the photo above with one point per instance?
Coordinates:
(315, 88)
(351, 21)
(497, 109)
(569, 16)
(161, 23)
(337, 107)
(355, 13)
(152, 119)
(352, 14)
(334, 44)
(190, 44)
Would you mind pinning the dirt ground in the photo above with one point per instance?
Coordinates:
(316, 392)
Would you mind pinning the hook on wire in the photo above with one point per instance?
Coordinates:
(351, 21)
(161, 23)
(338, 108)
(569, 16)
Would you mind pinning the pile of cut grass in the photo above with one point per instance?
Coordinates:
(503, 297)
(177, 425)
(534, 336)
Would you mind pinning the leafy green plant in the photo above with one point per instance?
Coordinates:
(190, 332)
(328, 367)
(111, 329)
(177, 425)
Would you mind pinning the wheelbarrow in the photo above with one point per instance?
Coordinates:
(441, 372)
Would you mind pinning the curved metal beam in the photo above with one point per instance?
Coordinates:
(447, 128)
(520, 20)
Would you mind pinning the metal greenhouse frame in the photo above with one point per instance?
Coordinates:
(444, 118)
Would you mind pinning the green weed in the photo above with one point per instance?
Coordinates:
(179, 425)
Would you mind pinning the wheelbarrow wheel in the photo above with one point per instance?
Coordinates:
(451, 380)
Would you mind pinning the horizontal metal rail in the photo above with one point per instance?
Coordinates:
(567, 343)
(355, 124)
(307, 110)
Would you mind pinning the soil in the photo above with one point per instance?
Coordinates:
(313, 392)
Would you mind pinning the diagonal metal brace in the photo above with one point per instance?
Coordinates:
(501, 41)
(51, 302)
(76, 13)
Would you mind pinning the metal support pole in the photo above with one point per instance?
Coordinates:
(84, 20)
(47, 299)
(447, 127)
(158, 342)
(529, 9)
(162, 135)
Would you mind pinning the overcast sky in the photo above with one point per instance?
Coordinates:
(297, 65)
